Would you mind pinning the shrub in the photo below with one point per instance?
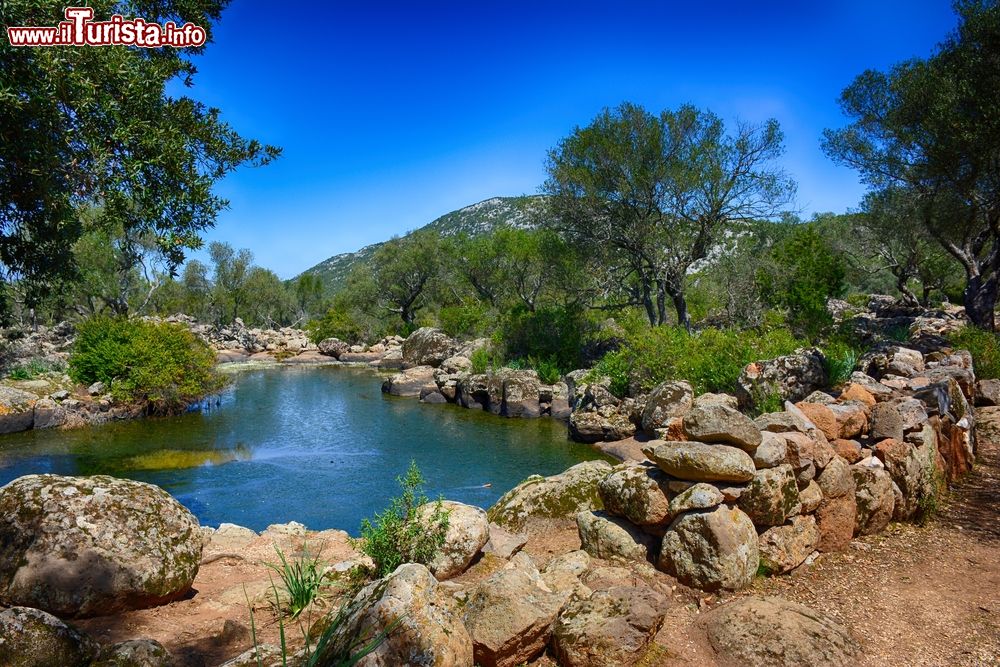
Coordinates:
(614, 365)
(711, 360)
(485, 359)
(467, 320)
(984, 347)
(336, 323)
(33, 368)
(397, 534)
(839, 360)
(163, 364)
(302, 578)
(547, 369)
(554, 334)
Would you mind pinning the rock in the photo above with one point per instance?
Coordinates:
(333, 347)
(714, 422)
(801, 451)
(698, 462)
(711, 550)
(510, 615)
(783, 548)
(886, 422)
(793, 377)
(427, 347)
(852, 419)
(987, 392)
(666, 401)
(456, 364)
(611, 628)
(468, 532)
(96, 389)
(607, 425)
(520, 395)
(267, 655)
(473, 393)
(16, 409)
(409, 382)
(784, 422)
(611, 538)
(700, 496)
(48, 414)
(432, 396)
(135, 653)
(836, 514)
(836, 479)
(771, 452)
(772, 497)
(822, 416)
(874, 499)
(428, 631)
(638, 492)
(562, 495)
(33, 638)
(903, 464)
(229, 537)
(503, 543)
(89, 546)
(771, 631)
(855, 392)
(849, 450)
(810, 496)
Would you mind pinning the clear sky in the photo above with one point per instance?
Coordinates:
(391, 115)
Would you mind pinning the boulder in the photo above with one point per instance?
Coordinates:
(858, 394)
(711, 550)
(90, 546)
(48, 414)
(427, 347)
(783, 548)
(503, 543)
(810, 496)
(698, 462)
(987, 392)
(836, 514)
(17, 409)
(611, 538)
(409, 382)
(467, 534)
(904, 466)
(611, 628)
(849, 450)
(510, 615)
(135, 653)
(852, 419)
(33, 638)
(822, 416)
(718, 423)
(793, 377)
(802, 451)
(605, 425)
(333, 347)
(666, 401)
(785, 421)
(638, 492)
(886, 422)
(772, 496)
(771, 452)
(700, 496)
(427, 630)
(874, 499)
(520, 395)
(562, 495)
(473, 393)
(771, 631)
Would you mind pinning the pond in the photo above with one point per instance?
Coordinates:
(322, 446)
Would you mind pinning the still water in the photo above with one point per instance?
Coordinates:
(321, 446)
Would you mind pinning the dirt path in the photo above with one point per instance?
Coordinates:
(911, 596)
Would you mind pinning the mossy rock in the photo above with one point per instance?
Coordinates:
(34, 638)
(558, 496)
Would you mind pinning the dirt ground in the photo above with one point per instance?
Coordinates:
(913, 595)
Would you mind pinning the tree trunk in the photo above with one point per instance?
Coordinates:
(909, 298)
(980, 299)
(680, 305)
(647, 302)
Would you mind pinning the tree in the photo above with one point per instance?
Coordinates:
(231, 270)
(931, 127)
(402, 272)
(309, 295)
(96, 127)
(649, 196)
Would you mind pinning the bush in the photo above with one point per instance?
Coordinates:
(711, 360)
(985, 349)
(485, 359)
(554, 334)
(336, 324)
(397, 536)
(470, 320)
(547, 369)
(839, 360)
(163, 364)
(614, 365)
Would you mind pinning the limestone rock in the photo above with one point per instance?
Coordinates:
(874, 498)
(714, 422)
(427, 347)
(612, 538)
(666, 401)
(638, 492)
(562, 495)
(772, 631)
(772, 496)
(409, 382)
(771, 452)
(33, 638)
(783, 548)
(88, 546)
(520, 395)
(468, 531)
(792, 376)
(700, 496)
(17, 409)
(333, 347)
(711, 550)
(699, 462)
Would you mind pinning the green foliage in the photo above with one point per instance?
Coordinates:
(839, 360)
(33, 368)
(485, 359)
(711, 360)
(163, 364)
(548, 370)
(616, 366)
(302, 577)
(984, 347)
(464, 320)
(336, 323)
(765, 400)
(397, 534)
(552, 333)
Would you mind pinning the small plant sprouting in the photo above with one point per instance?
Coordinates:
(302, 578)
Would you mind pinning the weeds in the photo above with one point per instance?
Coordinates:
(302, 578)
(839, 361)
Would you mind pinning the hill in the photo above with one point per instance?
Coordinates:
(480, 218)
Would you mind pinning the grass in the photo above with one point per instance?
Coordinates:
(984, 347)
(302, 578)
(33, 368)
(839, 360)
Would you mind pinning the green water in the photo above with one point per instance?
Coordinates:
(321, 446)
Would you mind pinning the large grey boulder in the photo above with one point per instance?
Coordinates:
(711, 550)
(612, 538)
(783, 548)
(793, 377)
(638, 492)
(409, 382)
(467, 534)
(698, 462)
(611, 628)
(772, 496)
(427, 347)
(333, 347)
(709, 421)
(772, 631)
(33, 638)
(666, 401)
(606, 424)
(427, 630)
(562, 495)
(135, 653)
(89, 546)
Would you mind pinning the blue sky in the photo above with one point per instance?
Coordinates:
(391, 115)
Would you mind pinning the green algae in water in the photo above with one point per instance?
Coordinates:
(321, 446)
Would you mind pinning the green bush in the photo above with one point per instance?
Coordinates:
(547, 369)
(711, 360)
(466, 320)
(163, 364)
(336, 324)
(839, 360)
(616, 366)
(398, 535)
(554, 334)
(485, 359)
(985, 349)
